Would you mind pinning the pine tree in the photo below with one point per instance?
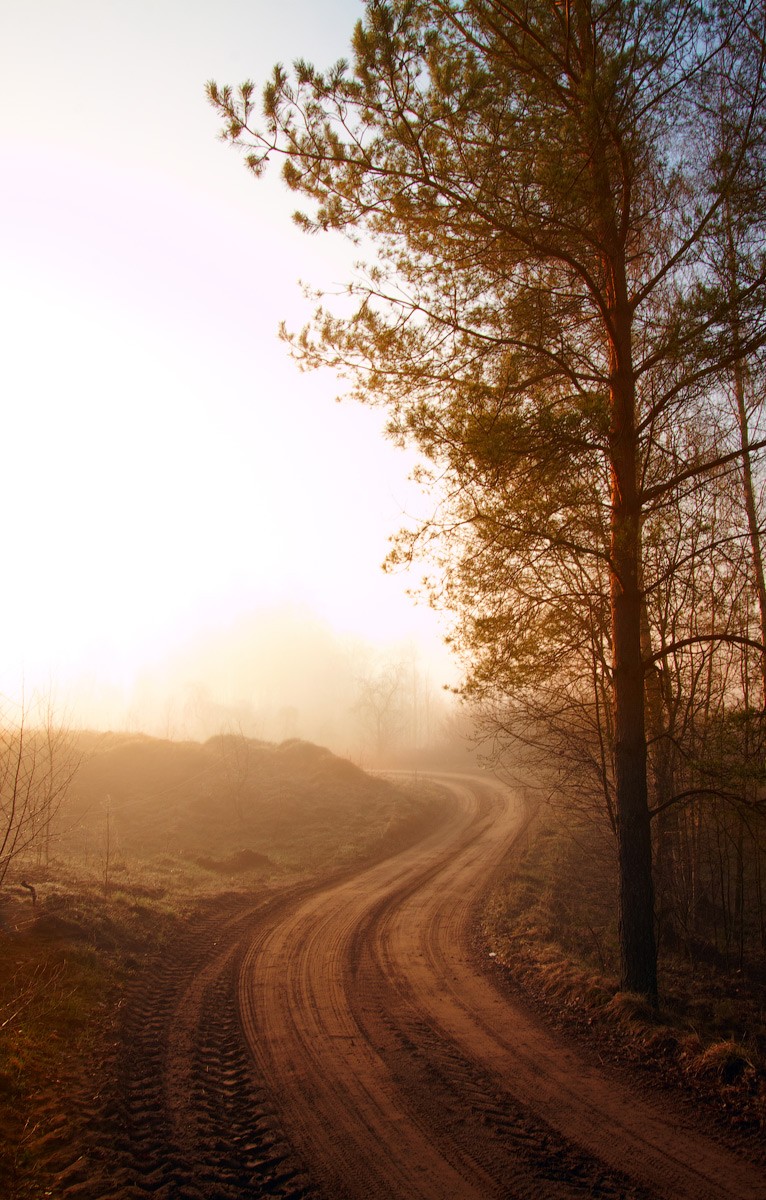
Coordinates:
(531, 185)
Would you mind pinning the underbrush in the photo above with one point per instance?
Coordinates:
(550, 925)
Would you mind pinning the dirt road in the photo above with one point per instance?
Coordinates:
(378, 1061)
(400, 1071)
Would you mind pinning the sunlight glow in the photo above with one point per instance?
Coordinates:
(167, 469)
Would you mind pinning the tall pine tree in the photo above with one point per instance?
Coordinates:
(538, 205)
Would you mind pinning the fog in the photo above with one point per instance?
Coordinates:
(198, 527)
(282, 673)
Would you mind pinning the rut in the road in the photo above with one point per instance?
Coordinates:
(503, 1136)
(185, 1117)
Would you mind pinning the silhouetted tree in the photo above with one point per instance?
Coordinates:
(380, 703)
(38, 762)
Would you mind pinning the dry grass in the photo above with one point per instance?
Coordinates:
(722, 1062)
(296, 804)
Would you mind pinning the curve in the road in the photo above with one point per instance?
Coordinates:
(400, 1071)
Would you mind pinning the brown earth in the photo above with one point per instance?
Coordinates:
(340, 1040)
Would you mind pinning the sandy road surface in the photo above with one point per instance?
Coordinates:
(398, 1069)
(337, 1041)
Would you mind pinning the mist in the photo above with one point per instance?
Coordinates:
(279, 673)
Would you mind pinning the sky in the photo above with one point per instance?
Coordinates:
(169, 475)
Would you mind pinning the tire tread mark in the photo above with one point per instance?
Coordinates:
(185, 1115)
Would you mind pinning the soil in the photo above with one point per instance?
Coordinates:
(338, 1040)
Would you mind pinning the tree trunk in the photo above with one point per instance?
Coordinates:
(660, 786)
(637, 939)
(744, 433)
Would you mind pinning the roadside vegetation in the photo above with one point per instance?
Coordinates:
(149, 835)
(548, 926)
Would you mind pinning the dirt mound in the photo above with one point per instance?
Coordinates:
(206, 801)
(235, 864)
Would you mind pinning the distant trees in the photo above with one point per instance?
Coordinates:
(398, 710)
(379, 705)
(565, 204)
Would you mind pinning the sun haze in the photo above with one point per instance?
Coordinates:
(168, 472)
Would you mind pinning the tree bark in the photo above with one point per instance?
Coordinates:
(636, 903)
(740, 370)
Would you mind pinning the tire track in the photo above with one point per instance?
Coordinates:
(187, 1116)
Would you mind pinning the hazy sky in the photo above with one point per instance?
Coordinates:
(166, 467)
